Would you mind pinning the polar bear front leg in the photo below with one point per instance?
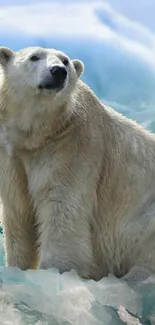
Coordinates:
(18, 215)
(65, 239)
(19, 240)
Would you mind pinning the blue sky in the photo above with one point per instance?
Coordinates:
(115, 39)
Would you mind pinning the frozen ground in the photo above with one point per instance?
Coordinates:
(48, 298)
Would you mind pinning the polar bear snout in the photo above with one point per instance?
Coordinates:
(59, 72)
(55, 79)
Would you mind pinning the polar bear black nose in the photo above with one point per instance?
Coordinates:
(59, 73)
(55, 80)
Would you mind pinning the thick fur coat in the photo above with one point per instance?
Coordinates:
(77, 179)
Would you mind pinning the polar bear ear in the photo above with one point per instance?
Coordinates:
(5, 55)
(79, 67)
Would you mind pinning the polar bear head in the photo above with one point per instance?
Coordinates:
(39, 73)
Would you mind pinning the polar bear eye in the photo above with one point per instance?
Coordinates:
(65, 62)
(34, 58)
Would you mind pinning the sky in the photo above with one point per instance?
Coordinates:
(114, 38)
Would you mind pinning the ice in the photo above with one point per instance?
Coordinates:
(48, 298)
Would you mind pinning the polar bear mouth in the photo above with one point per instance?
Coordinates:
(51, 86)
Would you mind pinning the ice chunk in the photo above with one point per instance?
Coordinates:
(48, 298)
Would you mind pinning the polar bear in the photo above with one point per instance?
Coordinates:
(77, 179)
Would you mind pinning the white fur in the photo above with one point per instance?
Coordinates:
(78, 184)
(5, 142)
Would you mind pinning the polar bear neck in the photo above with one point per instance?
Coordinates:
(22, 128)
